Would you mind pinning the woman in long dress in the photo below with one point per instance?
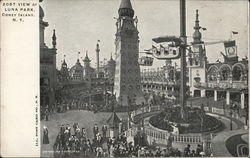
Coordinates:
(45, 135)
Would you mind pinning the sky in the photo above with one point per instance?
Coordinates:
(80, 23)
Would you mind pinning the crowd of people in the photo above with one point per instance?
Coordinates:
(73, 141)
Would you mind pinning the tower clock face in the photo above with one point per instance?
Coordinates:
(231, 51)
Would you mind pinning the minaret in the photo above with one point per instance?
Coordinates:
(97, 59)
(127, 86)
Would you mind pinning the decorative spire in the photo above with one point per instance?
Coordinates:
(78, 61)
(97, 46)
(54, 39)
(64, 62)
(197, 26)
(126, 9)
(197, 33)
(86, 59)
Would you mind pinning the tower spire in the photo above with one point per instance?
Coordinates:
(54, 39)
(126, 9)
(197, 26)
(197, 34)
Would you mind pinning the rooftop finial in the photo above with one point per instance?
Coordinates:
(78, 57)
(97, 46)
(54, 39)
(197, 15)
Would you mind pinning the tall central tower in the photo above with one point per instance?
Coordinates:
(197, 61)
(127, 86)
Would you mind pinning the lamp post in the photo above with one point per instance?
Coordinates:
(231, 113)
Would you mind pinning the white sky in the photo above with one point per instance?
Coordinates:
(80, 23)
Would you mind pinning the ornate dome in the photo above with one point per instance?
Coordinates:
(77, 66)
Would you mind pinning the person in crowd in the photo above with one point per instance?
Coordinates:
(158, 153)
(187, 151)
(150, 154)
(95, 130)
(193, 154)
(83, 132)
(198, 150)
(104, 130)
(45, 135)
(46, 114)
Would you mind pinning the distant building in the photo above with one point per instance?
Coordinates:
(227, 80)
(162, 81)
(63, 75)
(76, 71)
(88, 71)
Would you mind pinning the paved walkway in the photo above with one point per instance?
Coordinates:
(228, 140)
(219, 146)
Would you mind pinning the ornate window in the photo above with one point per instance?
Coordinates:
(225, 72)
(212, 73)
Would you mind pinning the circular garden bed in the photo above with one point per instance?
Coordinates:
(195, 121)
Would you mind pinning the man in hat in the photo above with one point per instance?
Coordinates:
(95, 130)
(104, 130)
(45, 135)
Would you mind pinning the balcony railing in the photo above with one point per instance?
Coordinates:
(223, 85)
(159, 82)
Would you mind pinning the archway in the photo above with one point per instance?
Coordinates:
(237, 72)
(212, 73)
(225, 71)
